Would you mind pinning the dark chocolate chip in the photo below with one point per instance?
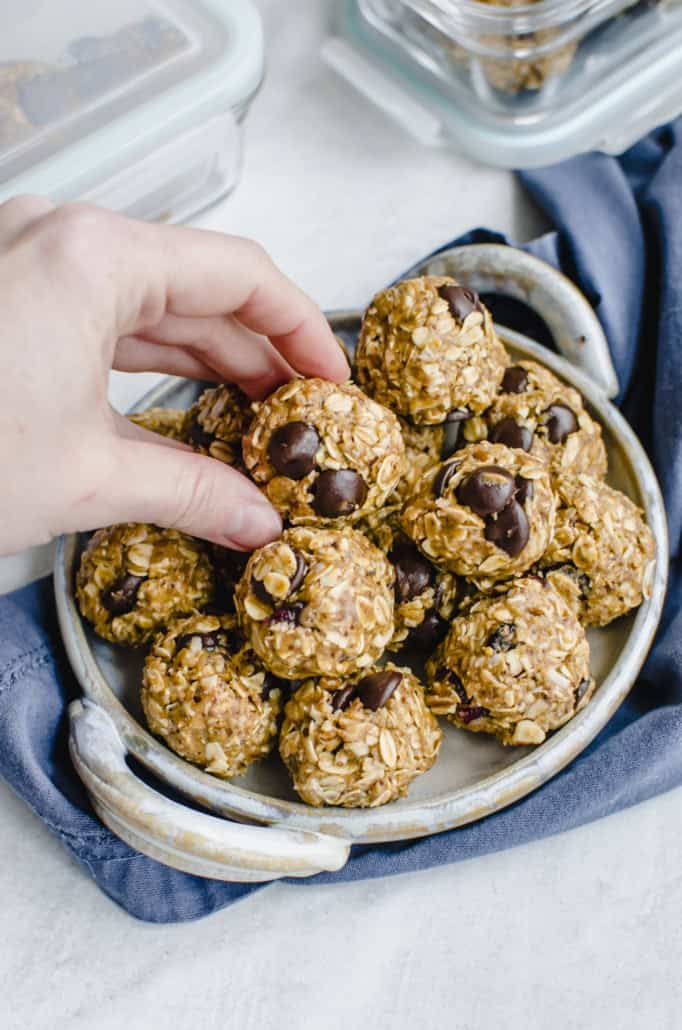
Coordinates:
(289, 613)
(560, 422)
(259, 589)
(525, 489)
(343, 697)
(455, 682)
(292, 449)
(460, 300)
(121, 596)
(515, 380)
(458, 415)
(270, 683)
(469, 713)
(299, 574)
(226, 640)
(375, 690)
(510, 433)
(503, 638)
(445, 474)
(413, 572)
(509, 530)
(487, 490)
(199, 436)
(339, 492)
(581, 690)
(428, 633)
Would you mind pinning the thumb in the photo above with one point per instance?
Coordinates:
(182, 490)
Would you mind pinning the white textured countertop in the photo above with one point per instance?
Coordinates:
(582, 930)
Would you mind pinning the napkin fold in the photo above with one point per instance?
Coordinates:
(618, 235)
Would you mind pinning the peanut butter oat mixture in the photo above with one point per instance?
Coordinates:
(164, 421)
(217, 422)
(324, 453)
(358, 742)
(209, 697)
(134, 578)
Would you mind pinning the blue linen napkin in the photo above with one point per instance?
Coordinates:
(618, 235)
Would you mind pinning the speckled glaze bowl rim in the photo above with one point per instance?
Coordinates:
(408, 818)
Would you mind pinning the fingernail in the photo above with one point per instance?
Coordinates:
(253, 525)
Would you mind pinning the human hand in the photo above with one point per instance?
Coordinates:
(82, 291)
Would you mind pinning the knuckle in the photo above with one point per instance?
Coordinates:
(70, 234)
(24, 208)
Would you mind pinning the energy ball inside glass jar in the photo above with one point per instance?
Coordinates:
(516, 665)
(217, 422)
(601, 555)
(133, 578)
(536, 412)
(209, 697)
(428, 351)
(324, 453)
(358, 742)
(486, 514)
(317, 602)
(169, 422)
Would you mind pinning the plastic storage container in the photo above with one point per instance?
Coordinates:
(515, 83)
(134, 105)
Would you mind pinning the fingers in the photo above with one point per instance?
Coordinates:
(232, 352)
(150, 482)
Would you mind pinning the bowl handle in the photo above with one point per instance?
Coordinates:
(496, 268)
(176, 835)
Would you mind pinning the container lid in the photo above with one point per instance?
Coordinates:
(90, 89)
(621, 85)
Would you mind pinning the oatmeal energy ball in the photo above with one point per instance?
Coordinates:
(218, 421)
(133, 579)
(516, 666)
(601, 554)
(324, 452)
(538, 413)
(208, 697)
(358, 742)
(428, 351)
(317, 602)
(486, 514)
(164, 421)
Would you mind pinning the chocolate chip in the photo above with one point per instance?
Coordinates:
(343, 697)
(460, 300)
(487, 490)
(515, 380)
(259, 589)
(560, 422)
(199, 436)
(292, 449)
(226, 640)
(455, 682)
(339, 492)
(120, 597)
(525, 489)
(509, 530)
(458, 415)
(413, 573)
(375, 690)
(469, 713)
(503, 638)
(270, 683)
(289, 613)
(428, 633)
(445, 474)
(510, 433)
(299, 574)
(581, 690)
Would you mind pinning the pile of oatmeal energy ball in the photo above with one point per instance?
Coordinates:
(446, 504)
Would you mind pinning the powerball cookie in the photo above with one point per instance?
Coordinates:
(359, 742)
(601, 555)
(133, 578)
(218, 421)
(317, 602)
(324, 452)
(210, 698)
(516, 666)
(426, 598)
(428, 351)
(486, 514)
(165, 421)
(538, 413)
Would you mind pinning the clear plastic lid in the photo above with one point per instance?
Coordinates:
(516, 83)
(88, 90)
